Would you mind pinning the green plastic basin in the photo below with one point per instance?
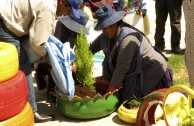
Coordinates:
(88, 108)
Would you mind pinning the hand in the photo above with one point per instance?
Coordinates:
(74, 67)
(138, 12)
(111, 89)
(44, 57)
(126, 9)
(144, 12)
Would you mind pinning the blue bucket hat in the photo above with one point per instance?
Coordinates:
(75, 6)
(74, 24)
(106, 16)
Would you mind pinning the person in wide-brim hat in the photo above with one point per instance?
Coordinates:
(74, 23)
(107, 16)
(68, 27)
(130, 60)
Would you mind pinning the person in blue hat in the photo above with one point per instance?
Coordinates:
(67, 28)
(28, 24)
(130, 60)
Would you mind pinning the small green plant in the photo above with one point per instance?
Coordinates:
(84, 62)
(132, 102)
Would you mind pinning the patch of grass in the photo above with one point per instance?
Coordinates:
(177, 64)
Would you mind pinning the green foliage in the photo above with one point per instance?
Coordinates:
(132, 102)
(84, 62)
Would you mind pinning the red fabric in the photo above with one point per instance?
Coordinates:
(94, 5)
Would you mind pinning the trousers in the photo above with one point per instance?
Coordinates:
(163, 8)
(24, 63)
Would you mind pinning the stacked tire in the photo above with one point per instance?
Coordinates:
(14, 107)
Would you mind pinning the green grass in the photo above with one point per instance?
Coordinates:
(177, 64)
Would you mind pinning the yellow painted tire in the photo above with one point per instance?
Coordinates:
(179, 87)
(24, 118)
(175, 88)
(9, 62)
(130, 115)
(127, 115)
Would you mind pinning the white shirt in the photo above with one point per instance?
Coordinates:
(33, 17)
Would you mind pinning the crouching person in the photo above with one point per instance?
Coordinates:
(67, 28)
(130, 60)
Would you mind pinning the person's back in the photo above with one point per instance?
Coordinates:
(16, 19)
(23, 17)
(145, 59)
(22, 12)
(154, 66)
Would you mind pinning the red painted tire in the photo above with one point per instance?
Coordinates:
(13, 96)
(24, 118)
(9, 62)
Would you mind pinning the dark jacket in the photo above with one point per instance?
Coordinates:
(125, 57)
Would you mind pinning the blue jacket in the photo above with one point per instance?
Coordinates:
(61, 57)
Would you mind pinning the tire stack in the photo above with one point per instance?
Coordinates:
(14, 107)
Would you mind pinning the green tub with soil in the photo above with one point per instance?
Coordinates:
(88, 108)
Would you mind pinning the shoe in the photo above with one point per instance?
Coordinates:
(42, 118)
(51, 96)
(159, 49)
(177, 50)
